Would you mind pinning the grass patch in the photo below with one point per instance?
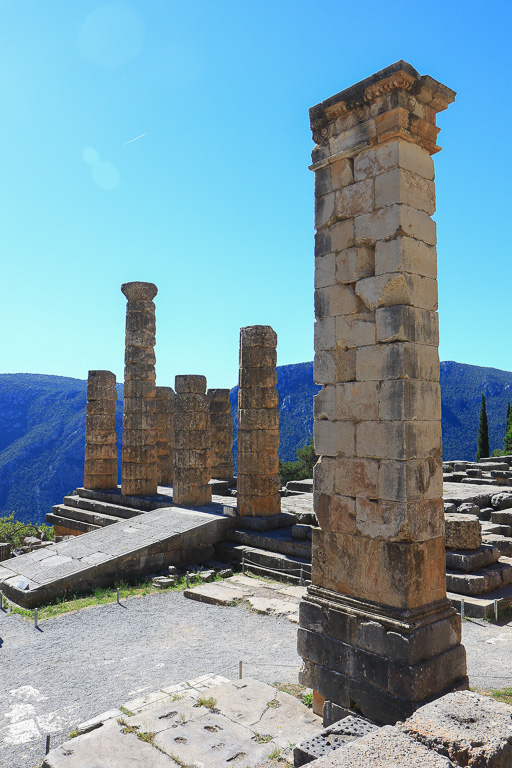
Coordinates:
(275, 755)
(100, 596)
(262, 738)
(208, 703)
(273, 703)
(307, 700)
(126, 712)
(294, 689)
(500, 694)
(73, 734)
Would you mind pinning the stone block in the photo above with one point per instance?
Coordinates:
(324, 403)
(423, 680)
(355, 199)
(258, 418)
(394, 221)
(133, 388)
(462, 531)
(397, 288)
(501, 501)
(259, 505)
(471, 560)
(400, 521)
(353, 264)
(404, 323)
(260, 463)
(102, 408)
(341, 235)
(325, 270)
(257, 377)
(100, 451)
(399, 440)
(336, 300)
(337, 366)
(139, 421)
(401, 186)
(397, 574)
(139, 356)
(325, 334)
(411, 480)
(324, 210)
(258, 357)
(334, 438)
(342, 173)
(259, 397)
(405, 254)
(334, 512)
(409, 399)
(397, 360)
(184, 458)
(190, 384)
(254, 485)
(139, 405)
(468, 728)
(356, 400)
(357, 330)
(352, 477)
(139, 373)
(396, 153)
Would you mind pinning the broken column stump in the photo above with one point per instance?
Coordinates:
(377, 633)
(100, 466)
(139, 467)
(192, 442)
(221, 421)
(164, 409)
(258, 482)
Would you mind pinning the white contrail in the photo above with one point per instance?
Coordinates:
(135, 139)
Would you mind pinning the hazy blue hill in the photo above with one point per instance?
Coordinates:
(42, 426)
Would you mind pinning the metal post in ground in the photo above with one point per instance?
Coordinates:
(496, 612)
(35, 618)
(462, 608)
(243, 565)
(188, 582)
(47, 744)
(118, 596)
(301, 576)
(1, 601)
(240, 670)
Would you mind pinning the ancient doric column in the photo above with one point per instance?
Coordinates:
(192, 442)
(100, 470)
(222, 434)
(377, 633)
(258, 481)
(164, 409)
(139, 471)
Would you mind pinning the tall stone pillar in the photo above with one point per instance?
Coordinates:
(100, 469)
(258, 481)
(222, 434)
(192, 442)
(377, 633)
(164, 409)
(139, 470)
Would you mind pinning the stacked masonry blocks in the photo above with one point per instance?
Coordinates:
(139, 469)
(192, 442)
(100, 469)
(164, 409)
(377, 429)
(222, 434)
(258, 483)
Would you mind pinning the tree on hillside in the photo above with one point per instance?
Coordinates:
(482, 443)
(507, 440)
(300, 469)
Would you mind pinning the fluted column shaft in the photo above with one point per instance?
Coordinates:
(100, 468)
(192, 442)
(222, 433)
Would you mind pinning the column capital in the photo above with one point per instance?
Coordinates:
(396, 102)
(137, 290)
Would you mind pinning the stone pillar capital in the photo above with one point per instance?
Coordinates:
(396, 102)
(141, 291)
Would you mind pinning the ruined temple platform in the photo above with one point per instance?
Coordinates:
(124, 550)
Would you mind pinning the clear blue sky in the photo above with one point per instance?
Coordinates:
(214, 201)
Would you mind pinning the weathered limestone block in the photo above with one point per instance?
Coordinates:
(258, 482)
(164, 409)
(462, 531)
(192, 442)
(221, 420)
(100, 467)
(139, 476)
(379, 550)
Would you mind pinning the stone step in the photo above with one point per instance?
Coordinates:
(471, 560)
(481, 581)
(272, 541)
(75, 526)
(272, 564)
(141, 503)
(85, 516)
(502, 516)
(481, 481)
(502, 543)
(501, 530)
(103, 507)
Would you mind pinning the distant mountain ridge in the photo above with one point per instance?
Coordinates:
(42, 426)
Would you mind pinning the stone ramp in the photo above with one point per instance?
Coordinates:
(121, 551)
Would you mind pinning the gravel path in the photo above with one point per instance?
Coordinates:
(85, 663)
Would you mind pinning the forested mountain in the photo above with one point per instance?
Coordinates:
(42, 426)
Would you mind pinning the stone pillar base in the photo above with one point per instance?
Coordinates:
(365, 658)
